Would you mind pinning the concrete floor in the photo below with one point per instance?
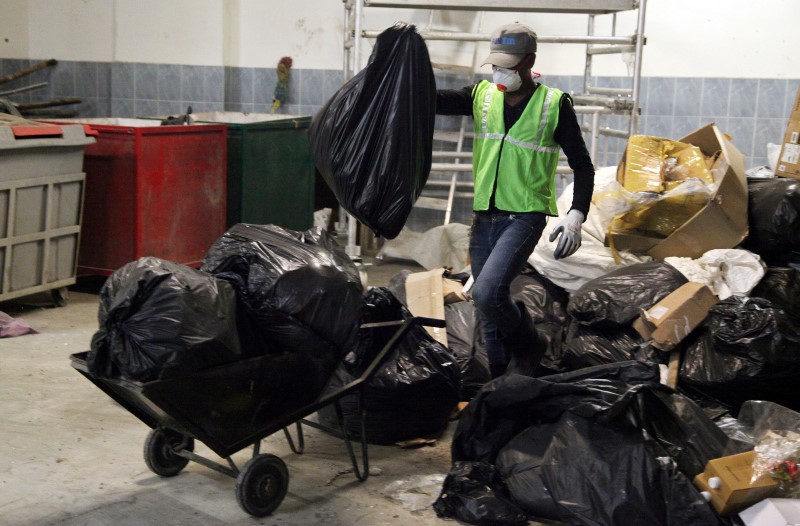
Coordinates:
(69, 455)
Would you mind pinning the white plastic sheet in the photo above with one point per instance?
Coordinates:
(593, 259)
(441, 246)
(727, 272)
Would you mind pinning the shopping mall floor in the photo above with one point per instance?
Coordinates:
(70, 455)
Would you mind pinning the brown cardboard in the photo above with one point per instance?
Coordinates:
(670, 320)
(735, 491)
(425, 297)
(722, 223)
(789, 159)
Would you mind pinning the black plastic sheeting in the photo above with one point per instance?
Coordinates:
(747, 349)
(161, 320)
(299, 290)
(616, 299)
(774, 220)
(413, 392)
(605, 445)
(372, 140)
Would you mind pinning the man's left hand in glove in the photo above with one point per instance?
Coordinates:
(570, 231)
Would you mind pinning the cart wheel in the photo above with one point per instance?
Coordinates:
(159, 455)
(60, 296)
(262, 485)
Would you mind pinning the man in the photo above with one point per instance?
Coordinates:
(519, 127)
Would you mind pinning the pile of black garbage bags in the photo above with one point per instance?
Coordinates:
(261, 291)
(596, 438)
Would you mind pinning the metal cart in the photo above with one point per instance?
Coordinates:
(234, 406)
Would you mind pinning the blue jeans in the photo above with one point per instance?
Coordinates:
(499, 246)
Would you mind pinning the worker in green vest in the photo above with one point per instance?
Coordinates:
(520, 126)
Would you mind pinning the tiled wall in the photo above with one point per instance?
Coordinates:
(753, 111)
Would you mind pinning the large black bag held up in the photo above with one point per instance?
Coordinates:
(161, 320)
(372, 140)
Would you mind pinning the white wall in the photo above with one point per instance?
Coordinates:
(686, 38)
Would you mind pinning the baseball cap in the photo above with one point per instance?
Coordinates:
(510, 43)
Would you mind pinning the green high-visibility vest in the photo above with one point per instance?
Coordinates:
(522, 160)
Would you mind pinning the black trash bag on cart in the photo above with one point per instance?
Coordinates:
(616, 299)
(746, 349)
(552, 437)
(413, 392)
(160, 320)
(372, 141)
(464, 336)
(774, 219)
(299, 290)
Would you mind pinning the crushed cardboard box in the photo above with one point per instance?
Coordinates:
(670, 320)
(735, 488)
(725, 214)
(789, 158)
(426, 295)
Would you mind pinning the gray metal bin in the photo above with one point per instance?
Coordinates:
(41, 205)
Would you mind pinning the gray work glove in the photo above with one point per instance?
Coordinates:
(570, 230)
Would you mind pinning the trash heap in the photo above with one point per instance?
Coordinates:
(677, 330)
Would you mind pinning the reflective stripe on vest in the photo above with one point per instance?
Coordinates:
(524, 158)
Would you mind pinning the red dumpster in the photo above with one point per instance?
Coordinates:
(151, 191)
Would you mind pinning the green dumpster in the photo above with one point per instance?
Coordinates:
(270, 169)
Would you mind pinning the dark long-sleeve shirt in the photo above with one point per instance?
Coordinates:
(567, 134)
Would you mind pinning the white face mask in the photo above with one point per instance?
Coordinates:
(506, 79)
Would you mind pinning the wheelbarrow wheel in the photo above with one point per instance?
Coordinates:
(159, 451)
(262, 485)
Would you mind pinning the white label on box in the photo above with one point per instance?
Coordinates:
(657, 312)
(791, 153)
(793, 137)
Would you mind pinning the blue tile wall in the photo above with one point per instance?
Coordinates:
(753, 111)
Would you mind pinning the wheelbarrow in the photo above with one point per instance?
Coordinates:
(234, 406)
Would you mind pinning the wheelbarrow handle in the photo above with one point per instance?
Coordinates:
(428, 322)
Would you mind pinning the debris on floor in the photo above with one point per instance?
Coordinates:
(10, 327)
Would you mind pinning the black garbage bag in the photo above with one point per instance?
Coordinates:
(546, 304)
(412, 393)
(616, 299)
(473, 492)
(781, 286)
(746, 349)
(774, 219)
(465, 340)
(161, 320)
(604, 445)
(300, 290)
(372, 140)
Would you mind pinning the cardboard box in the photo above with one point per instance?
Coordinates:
(772, 512)
(425, 297)
(670, 320)
(789, 159)
(735, 491)
(722, 223)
